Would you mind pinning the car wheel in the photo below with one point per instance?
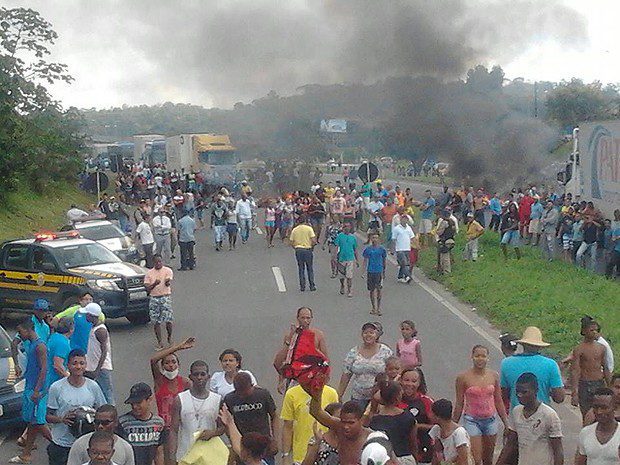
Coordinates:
(140, 318)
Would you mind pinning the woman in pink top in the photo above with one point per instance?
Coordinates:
(408, 348)
(479, 393)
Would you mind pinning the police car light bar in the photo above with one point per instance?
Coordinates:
(50, 236)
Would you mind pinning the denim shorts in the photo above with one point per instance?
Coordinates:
(511, 237)
(480, 426)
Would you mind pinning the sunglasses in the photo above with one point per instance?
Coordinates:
(103, 422)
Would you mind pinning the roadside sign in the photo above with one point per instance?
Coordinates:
(96, 182)
(368, 172)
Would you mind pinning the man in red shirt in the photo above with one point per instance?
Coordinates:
(525, 209)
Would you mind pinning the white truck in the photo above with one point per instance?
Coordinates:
(593, 169)
(140, 142)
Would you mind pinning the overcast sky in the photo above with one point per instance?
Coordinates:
(218, 52)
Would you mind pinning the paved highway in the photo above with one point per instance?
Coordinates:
(233, 299)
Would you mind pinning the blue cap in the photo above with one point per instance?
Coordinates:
(41, 304)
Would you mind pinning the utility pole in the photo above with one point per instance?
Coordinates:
(535, 99)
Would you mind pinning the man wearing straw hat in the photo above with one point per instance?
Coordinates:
(545, 369)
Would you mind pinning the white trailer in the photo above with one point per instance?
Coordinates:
(593, 169)
(179, 153)
(140, 142)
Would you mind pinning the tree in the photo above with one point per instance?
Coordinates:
(38, 140)
(572, 102)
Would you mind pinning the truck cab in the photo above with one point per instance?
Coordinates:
(60, 266)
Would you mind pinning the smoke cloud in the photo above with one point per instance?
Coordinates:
(222, 51)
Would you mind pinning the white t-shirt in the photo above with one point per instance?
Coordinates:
(144, 232)
(220, 385)
(535, 433)
(458, 438)
(244, 208)
(609, 355)
(402, 238)
(597, 453)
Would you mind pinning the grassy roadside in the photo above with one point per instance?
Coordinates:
(514, 294)
(26, 212)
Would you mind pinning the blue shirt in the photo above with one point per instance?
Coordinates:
(375, 256)
(495, 206)
(41, 328)
(537, 211)
(427, 212)
(81, 331)
(33, 367)
(545, 369)
(616, 233)
(57, 346)
(186, 227)
(346, 243)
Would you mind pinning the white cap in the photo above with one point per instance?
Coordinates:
(92, 309)
(375, 453)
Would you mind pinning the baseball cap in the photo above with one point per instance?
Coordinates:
(138, 393)
(92, 309)
(377, 450)
(41, 304)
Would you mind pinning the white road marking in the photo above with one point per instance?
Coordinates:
(277, 274)
(259, 231)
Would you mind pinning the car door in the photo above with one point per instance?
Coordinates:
(45, 279)
(14, 292)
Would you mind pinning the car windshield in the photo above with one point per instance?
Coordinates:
(104, 231)
(72, 256)
(5, 344)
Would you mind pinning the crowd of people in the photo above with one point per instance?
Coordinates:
(226, 416)
(390, 415)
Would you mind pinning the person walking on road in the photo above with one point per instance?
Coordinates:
(347, 254)
(244, 208)
(34, 397)
(303, 240)
(194, 410)
(599, 443)
(158, 283)
(222, 381)
(546, 370)
(145, 234)
(219, 214)
(187, 240)
(402, 235)
(99, 355)
(479, 395)
(161, 228)
(375, 256)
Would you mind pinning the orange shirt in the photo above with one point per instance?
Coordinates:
(388, 212)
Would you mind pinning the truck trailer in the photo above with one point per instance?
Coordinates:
(140, 144)
(211, 154)
(592, 172)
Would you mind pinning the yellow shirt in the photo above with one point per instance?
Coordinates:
(329, 192)
(301, 236)
(295, 408)
(474, 230)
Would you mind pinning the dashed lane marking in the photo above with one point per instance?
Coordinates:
(277, 274)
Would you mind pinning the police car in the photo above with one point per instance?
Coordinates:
(109, 235)
(60, 266)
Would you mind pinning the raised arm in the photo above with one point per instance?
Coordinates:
(459, 399)
(321, 415)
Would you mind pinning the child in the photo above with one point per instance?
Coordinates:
(393, 367)
(408, 348)
(451, 440)
(270, 222)
(414, 253)
(374, 266)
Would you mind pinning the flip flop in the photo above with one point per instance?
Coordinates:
(18, 459)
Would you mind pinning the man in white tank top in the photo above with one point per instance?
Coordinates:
(194, 410)
(99, 355)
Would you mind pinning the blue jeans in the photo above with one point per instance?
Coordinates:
(245, 224)
(402, 258)
(480, 426)
(304, 262)
(104, 380)
(583, 249)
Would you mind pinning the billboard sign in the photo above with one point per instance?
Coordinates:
(334, 125)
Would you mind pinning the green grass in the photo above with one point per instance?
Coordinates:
(515, 294)
(26, 212)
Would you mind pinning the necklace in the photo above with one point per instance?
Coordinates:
(200, 404)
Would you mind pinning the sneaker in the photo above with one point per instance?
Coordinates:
(401, 280)
(312, 289)
(408, 279)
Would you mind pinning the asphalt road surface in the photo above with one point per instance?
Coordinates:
(233, 299)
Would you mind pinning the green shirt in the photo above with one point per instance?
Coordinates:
(346, 243)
